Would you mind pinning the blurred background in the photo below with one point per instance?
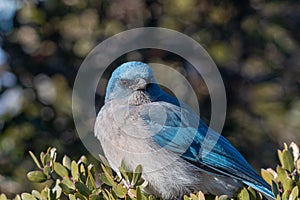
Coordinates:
(255, 44)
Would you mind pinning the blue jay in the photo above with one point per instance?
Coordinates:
(141, 124)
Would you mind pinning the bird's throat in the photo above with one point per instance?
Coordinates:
(138, 98)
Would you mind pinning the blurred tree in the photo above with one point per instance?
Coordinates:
(255, 44)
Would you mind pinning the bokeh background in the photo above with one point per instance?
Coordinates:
(255, 44)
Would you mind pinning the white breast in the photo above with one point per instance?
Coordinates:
(124, 136)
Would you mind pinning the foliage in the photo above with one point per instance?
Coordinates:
(285, 180)
(80, 180)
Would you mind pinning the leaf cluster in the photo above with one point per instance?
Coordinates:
(285, 180)
(79, 180)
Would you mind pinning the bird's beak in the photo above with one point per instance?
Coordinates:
(141, 85)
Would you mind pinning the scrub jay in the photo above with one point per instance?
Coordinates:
(141, 124)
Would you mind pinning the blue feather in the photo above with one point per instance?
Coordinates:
(213, 154)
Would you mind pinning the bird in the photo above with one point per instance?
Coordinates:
(140, 123)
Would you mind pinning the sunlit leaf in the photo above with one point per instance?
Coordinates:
(66, 162)
(137, 174)
(3, 197)
(138, 194)
(294, 194)
(60, 169)
(71, 197)
(285, 195)
(120, 191)
(267, 176)
(288, 161)
(74, 171)
(36, 176)
(34, 158)
(27, 196)
(243, 195)
(36, 194)
(106, 177)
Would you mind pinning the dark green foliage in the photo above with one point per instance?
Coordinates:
(78, 180)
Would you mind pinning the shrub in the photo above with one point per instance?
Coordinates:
(79, 180)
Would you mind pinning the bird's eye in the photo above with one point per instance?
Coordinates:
(124, 82)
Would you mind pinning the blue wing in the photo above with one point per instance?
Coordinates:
(182, 132)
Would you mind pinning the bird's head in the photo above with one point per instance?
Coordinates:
(134, 82)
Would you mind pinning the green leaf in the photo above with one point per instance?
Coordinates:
(223, 197)
(36, 194)
(66, 162)
(193, 197)
(60, 170)
(298, 166)
(294, 194)
(107, 178)
(278, 197)
(45, 158)
(132, 193)
(185, 197)
(47, 170)
(267, 176)
(66, 189)
(120, 191)
(109, 195)
(36, 161)
(91, 169)
(83, 159)
(82, 172)
(138, 194)
(53, 154)
(82, 189)
(288, 160)
(74, 170)
(71, 197)
(252, 193)
(68, 183)
(90, 181)
(151, 197)
(281, 174)
(94, 197)
(285, 146)
(288, 184)
(280, 156)
(106, 168)
(80, 196)
(27, 196)
(105, 195)
(243, 195)
(44, 193)
(17, 197)
(3, 197)
(123, 169)
(36, 176)
(200, 196)
(137, 174)
(285, 195)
